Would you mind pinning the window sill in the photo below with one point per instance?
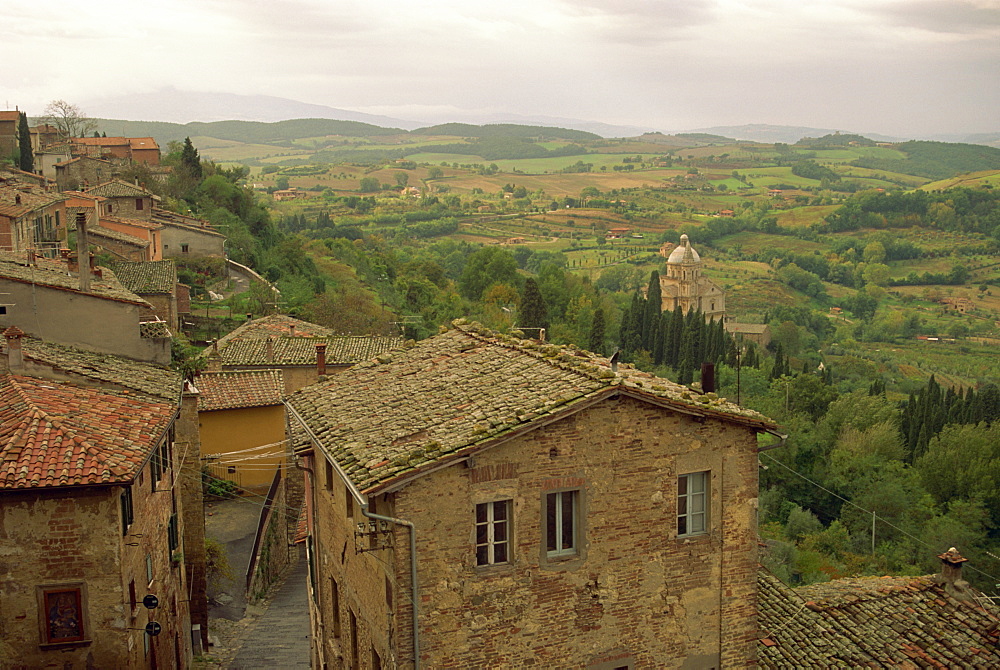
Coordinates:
(64, 645)
(493, 568)
(701, 538)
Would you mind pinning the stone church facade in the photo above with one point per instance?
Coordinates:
(683, 285)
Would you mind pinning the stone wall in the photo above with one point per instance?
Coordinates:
(74, 538)
(634, 592)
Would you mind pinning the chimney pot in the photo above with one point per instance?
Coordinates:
(15, 356)
(708, 378)
(321, 359)
(951, 575)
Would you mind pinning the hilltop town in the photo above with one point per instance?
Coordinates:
(510, 396)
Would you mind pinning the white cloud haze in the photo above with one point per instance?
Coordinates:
(889, 66)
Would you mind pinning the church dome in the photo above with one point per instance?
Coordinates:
(684, 253)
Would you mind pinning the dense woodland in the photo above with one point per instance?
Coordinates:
(893, 452)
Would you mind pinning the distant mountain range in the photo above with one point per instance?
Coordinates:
(176, 106)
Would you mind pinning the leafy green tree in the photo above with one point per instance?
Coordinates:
(402, 178)
(26, 157)
(485, 267)
(963, 463)
(369, 185)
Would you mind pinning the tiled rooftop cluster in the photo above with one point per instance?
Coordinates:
(116, 188)
(873, 622)
(145, 277)
(340, 350)
(145, 378)
(101, 231)
(60, 434)
(410, 408)
(165, 217)
(239, 388)
(31, 198)
(276, 325)
(44, 272)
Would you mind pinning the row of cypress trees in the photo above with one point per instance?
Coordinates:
(925, 413)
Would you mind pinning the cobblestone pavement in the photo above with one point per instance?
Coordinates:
(279, 638)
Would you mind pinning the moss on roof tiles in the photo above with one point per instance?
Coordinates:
(44, 272)
(153, 380)
(239, 388)
(465, 387)
(145, 277)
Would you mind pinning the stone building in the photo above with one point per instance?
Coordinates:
(30, 218)
(93, 570)
(125, 149)
(482, 501)
(302, 351)
(56, 302)
(683, 285)
(242, 426)
(188, 237)
(156, 283)
(123, 199)
(84, 172)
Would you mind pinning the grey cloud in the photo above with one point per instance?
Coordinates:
(943, 16)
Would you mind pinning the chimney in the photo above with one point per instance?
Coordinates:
(15, 357)
(214, 361)
(321, 359)
(291, 329)
(270, 350)
(249, 316)
(83, 250)
(708, 378)
(951, 575)
(17, 198)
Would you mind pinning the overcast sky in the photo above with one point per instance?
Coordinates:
(897, 67)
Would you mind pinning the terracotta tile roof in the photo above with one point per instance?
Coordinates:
(107, 233)
(873, 622)
(101, 141)
(166, 218)
(139, 377)
(30, 197)
(456, 391)
(116, 188)
(53, 274)
(280, 351)
(60, 434)
(239, 388)
(10, 115)
(275, 325)
(145, 277)
(143, 143)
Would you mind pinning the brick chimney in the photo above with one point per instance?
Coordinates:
(270, 349)
(213, 363)
(950, 577)
(15, 357)
(321, 359)
(291, 329)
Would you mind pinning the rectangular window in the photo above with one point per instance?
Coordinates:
(349, 502)
(173, 541)
(355, 657)
(376, 660)
(329, 475)
(128, 514)
(692, 512)
(62, 614)
(561, 523)
(493, 532)
(133, 603)
(184, 248)
(149, 569)
(335, 606)
(138, 204)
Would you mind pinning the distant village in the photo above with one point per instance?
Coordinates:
(471, 500)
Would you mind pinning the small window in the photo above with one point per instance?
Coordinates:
(355, 657)
(329, 475)
(493, 532)
(173, 539)
(184, 248)
(138, 204)
(561, 523)
(692, 513)
(128, 514)
(376, 660)
(63, 614)
(348, 501)
(335, 606)
(133, 603)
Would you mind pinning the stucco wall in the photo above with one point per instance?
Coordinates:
(634, 593)
(229, 430)
(199, 244)
(81, 320)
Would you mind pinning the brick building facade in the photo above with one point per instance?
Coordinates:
(91, 518)
(563, 513)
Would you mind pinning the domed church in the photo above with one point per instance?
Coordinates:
(684, 285)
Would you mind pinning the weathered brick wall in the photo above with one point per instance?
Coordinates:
(189, 487)
(126, 208)
(75, 537)
(273, 554)
(635, 591)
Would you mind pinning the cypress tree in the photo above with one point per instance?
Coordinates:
(651, 315)
(663, 323)
(597, 327)
(26, 157)
(672, 347)
(190, 159)
(631, 330)
(533, 312)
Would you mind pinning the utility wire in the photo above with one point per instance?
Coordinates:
(871, 512)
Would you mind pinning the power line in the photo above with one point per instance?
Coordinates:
(872, 512)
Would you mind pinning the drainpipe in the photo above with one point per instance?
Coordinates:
(782, 438)
(413, 575)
